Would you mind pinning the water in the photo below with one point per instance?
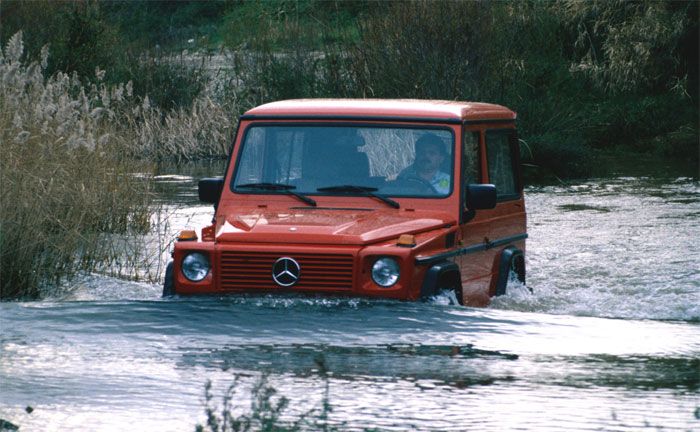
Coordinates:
(610, 339)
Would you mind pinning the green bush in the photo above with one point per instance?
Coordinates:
(274, 25)
(82, 37)
(681, 143)
(422, 50)
(77, 34)
(564, 156)
(170, 82)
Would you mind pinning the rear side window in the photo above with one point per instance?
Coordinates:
(470, 158)
(500, 149)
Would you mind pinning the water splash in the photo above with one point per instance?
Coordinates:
(637, 259)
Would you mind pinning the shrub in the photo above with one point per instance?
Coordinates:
(563, 156)
(82, 37)
(265, 25)
(170, 81)
(421, 49)
(625, 46)
(266, 408)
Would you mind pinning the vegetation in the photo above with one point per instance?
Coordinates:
(83, 35)
(267, 409)
(70, 198)
(61, 188)
(588, 79)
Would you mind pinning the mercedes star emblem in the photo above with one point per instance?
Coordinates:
(286, 271)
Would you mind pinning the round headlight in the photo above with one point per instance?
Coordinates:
(195, 266)
(385, 272)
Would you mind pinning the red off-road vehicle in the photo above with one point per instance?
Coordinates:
(397, 199)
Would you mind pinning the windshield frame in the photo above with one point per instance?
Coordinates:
(446, 126)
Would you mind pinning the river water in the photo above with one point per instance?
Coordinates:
(610, 339)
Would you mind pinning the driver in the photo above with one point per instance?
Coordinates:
(430, 154)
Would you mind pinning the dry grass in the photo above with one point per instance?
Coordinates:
(198, 132)
(75, 188)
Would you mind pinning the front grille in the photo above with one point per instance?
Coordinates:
(253, 270)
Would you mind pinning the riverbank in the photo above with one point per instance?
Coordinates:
(621, 163)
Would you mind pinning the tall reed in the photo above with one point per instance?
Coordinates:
(65, 191)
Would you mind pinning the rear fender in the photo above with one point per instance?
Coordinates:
(509, 255)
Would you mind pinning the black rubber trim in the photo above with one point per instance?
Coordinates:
(469, 249)
(507, 256)
(333, 208)
(168, 282)
(433, 275)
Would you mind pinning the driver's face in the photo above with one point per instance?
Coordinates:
(428, 158)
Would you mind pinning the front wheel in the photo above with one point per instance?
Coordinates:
(168, 284)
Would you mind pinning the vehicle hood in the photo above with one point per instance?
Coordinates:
(326, 226)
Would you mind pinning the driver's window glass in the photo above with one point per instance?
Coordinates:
(470, 158)
(500, 162)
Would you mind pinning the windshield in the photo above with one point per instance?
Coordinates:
(346, 160)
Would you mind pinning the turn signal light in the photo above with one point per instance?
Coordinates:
(187, 235)
(406, 240)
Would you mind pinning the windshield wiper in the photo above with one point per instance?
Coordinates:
(361, 190)
(284, 188)
(267, 186)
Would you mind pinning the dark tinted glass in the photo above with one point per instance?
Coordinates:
(499, 149)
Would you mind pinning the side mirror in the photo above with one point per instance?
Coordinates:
(480, 197)
(210, 190)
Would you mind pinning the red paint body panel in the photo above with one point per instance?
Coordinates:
(336, 243)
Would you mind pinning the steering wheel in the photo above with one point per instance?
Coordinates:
(421, 183)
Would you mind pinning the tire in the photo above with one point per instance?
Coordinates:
(168, 285)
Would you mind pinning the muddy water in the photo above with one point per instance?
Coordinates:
(610, 339)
